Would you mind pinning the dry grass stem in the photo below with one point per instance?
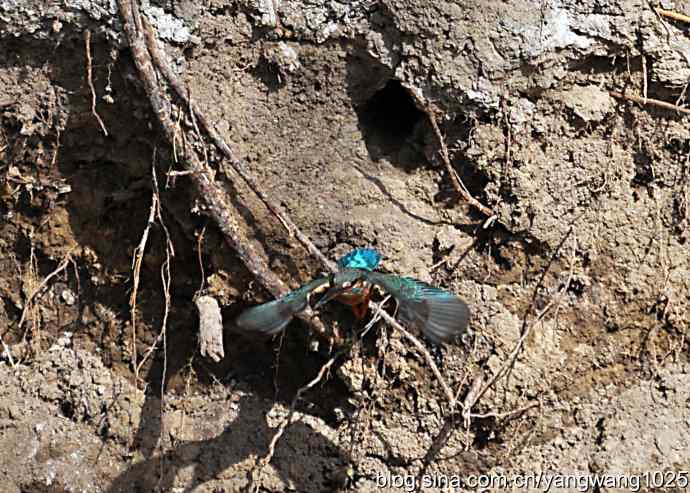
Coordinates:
(89, 80)
(30, 300)
(459, 186)
(137, 259)
(424, 352)
(264, 461)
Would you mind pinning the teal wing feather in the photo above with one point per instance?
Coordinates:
(439, 314)
(360, 258)
(270, 318)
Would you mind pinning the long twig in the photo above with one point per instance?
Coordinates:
(166, 281)
(89, 80)
(459, 186)
(424, 352)
(30, 299)
(137, 258)
(650, 101)
(508, 364)
(673, 15)
(239, 167)
(506, 413)
(219, 204)
(264, 461)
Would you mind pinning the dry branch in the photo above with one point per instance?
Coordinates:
(673, 15)
(650, 101)
(89, 80)
(219, 204)
(166, 278)
(239, 167)
(138, 257)
(459, 186)
(44, 283)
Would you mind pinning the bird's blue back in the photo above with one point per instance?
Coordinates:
(360, 258)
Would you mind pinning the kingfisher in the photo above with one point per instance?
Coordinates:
(439, 314)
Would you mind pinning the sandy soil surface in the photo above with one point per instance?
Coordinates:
(584, 268)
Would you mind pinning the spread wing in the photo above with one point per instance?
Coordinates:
(439, 314)
(273, 316)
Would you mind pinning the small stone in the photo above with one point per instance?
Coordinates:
(49, 391)
(590, 103)
(14, 411)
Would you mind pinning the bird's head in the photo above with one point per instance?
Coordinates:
(341, 282)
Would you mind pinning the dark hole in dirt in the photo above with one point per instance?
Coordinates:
(388, 120)
(644, 172)
(67, 409)
(486, 433)
(600, 431)
(474, 180)
(576, 287)
(268, 73)
(39, 487)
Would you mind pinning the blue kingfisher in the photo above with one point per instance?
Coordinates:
(439, 314)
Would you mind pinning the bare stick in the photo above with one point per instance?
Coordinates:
(165, 268)
(237, 166)
(219, 204)
(507, 413)
(263, 462)
(89, 79)
(673, 15)
(650, 102)
(8, 352)
(166, 280)
(30, 299)
(423, 351)
(470, 399)
(518, 347)
(445, 157)
(137, 259)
